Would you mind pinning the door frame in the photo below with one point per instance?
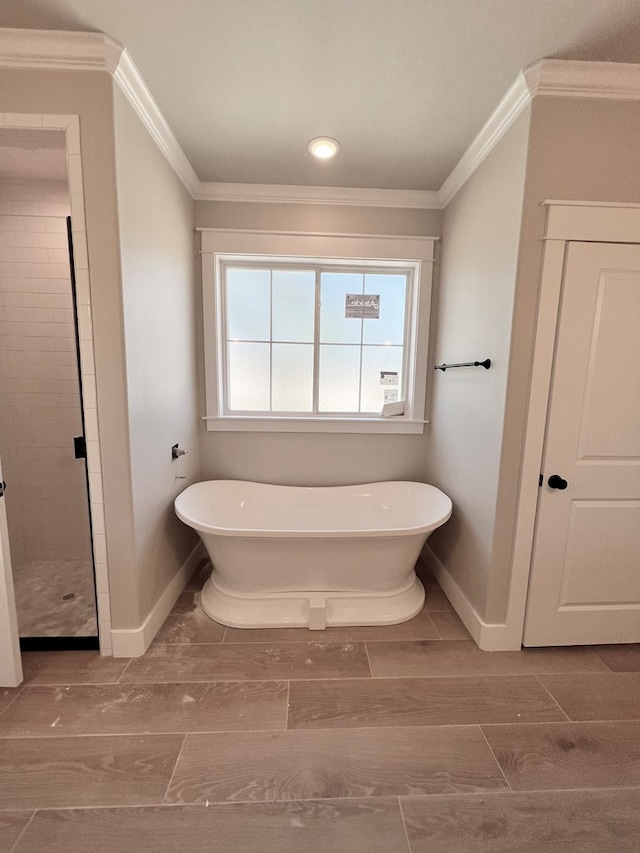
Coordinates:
(567, 221)
(10, 658)
(70, 126)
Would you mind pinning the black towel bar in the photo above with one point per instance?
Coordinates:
(486, 364)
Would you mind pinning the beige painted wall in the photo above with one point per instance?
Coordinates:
(579, 149)
(90, 96)
(472, 320)
(323, 218)
(159, 304)
(313, 458)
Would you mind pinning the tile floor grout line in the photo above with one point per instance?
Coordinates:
(175, 766)
(280, 800)
(595, 654)
(117, 681)
(24, 829)
(19, 693)
(163, 733)
(307, 729)
(102, 684)
(404, 824)
(509, 788)
(544, 687)
(435, 627)
(109, 735)
(366, 651)
(234, 643)
(367, 727)
(337, 678)
(502, 792)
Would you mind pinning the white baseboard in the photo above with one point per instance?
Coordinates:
(133, 642)
(491, 637)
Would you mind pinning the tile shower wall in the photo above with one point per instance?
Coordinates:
(40, 406)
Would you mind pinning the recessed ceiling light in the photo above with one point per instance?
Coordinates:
(323, 147)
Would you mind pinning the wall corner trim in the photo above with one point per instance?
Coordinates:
(134, 642)
(490, 637)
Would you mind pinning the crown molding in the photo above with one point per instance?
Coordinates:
(79, 51)
(135, 90)
(91, 51)
(573, 79)
(549, 77)
(354, 196)
(55, 50)
(500, 120)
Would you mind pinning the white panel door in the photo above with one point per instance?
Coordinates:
(584, 585)
(10, 662)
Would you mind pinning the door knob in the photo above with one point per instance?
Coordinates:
(555, 481)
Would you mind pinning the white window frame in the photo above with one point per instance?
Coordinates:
(221, 246)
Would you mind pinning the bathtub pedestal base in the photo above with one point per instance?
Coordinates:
(311, 609)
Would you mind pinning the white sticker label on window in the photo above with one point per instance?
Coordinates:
(362, 305)
(388, 377)
(390, 395)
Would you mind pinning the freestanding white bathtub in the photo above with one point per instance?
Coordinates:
(291, 556)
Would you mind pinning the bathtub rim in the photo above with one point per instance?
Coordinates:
(287, 533)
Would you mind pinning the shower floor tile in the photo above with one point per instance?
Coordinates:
(45, 608)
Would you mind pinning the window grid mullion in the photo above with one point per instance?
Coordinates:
(361, 345)
(271, 340)
(316, 344)
(225, 352)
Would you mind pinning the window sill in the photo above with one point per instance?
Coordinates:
(395, 425)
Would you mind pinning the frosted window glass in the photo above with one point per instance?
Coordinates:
(248, 304)
(335, 328)
(375, 360)
(292, 378)
(249, 383)
(389, 327)
(339, 378)
(294, 305)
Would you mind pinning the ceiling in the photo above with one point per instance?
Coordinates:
(404, 85)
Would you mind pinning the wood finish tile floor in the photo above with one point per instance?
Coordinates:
(404, 739)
